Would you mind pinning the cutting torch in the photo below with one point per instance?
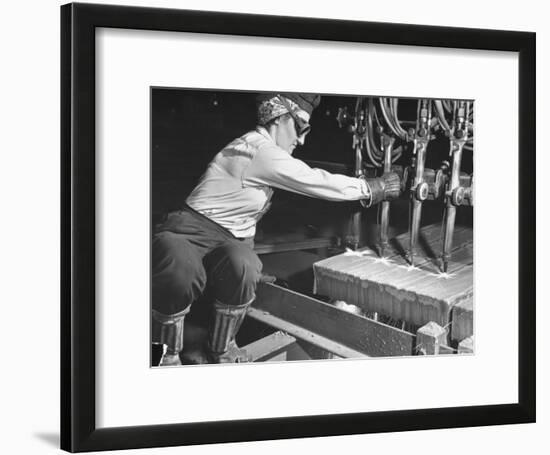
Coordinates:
(455, 193)
(358, 126)
(419, 188)
(387, 146)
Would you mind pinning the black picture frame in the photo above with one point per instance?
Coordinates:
(78, 174)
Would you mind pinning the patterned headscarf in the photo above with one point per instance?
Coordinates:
(273, 108)
(270, 105)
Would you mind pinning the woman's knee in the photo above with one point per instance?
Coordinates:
(178, 276)
(239, 262)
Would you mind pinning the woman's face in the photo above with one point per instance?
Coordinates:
(286, 136)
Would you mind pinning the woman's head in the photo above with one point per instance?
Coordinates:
(286, 116)
(283, 131)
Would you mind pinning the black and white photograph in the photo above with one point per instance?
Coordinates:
(269, 225)
(292, 226)
(253, 228)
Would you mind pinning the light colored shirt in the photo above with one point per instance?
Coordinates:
(236, 189)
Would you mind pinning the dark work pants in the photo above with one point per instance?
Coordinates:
(190, 252)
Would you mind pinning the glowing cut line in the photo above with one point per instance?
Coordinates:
(349, 252)
(442, 275)
(409, 268)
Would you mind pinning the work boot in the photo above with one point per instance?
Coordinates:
(168, 330)
(170, 359)
(227, 322)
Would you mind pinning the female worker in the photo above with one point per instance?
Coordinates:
(209, 242)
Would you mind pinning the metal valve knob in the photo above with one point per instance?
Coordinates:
(457, 196)
(422, 190)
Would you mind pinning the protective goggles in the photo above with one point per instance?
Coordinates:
(302, 127)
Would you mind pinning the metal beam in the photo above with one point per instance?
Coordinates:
(270, 347)
(299, 332)
(352, 331)
(307, 244)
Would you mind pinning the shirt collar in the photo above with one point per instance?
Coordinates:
(263, 131)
